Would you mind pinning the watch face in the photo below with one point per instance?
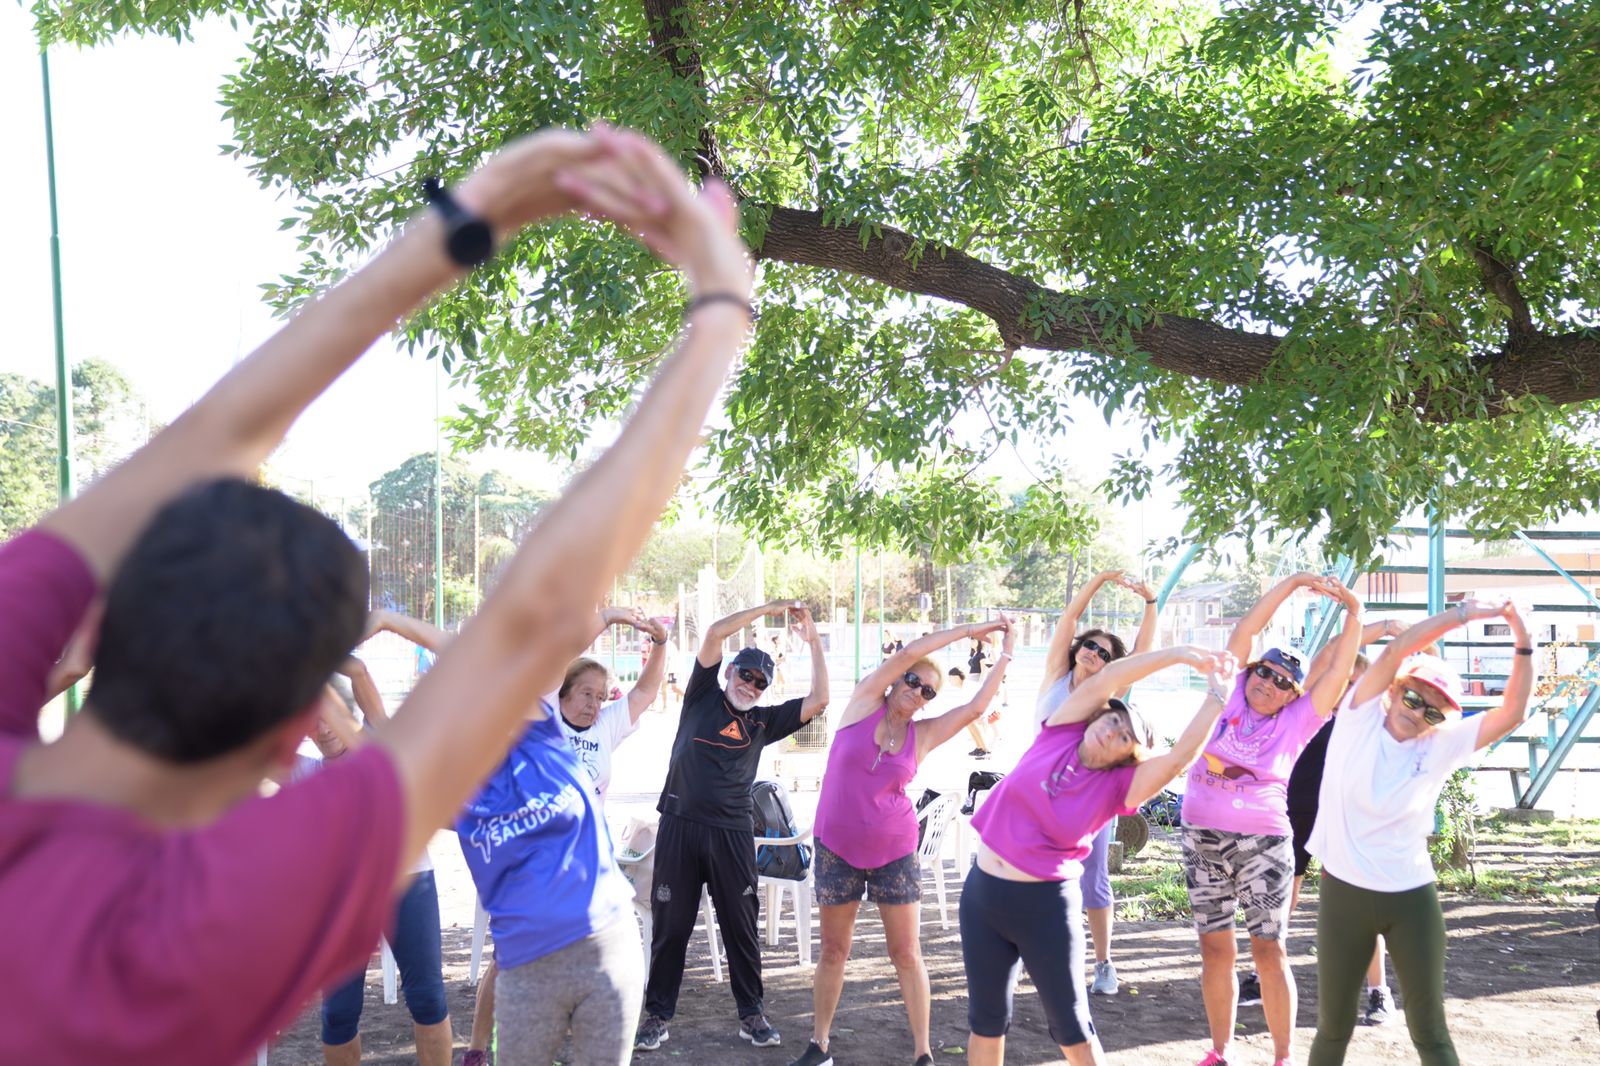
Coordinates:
(470, 242)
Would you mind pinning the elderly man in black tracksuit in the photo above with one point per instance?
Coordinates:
(706, 834)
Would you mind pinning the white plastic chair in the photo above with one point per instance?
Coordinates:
(801, 890)
(936, 818)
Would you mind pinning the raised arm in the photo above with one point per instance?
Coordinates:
(423, 634)
(1513, 707)
(1418, 637)
(1146, 637)
(723, 628)
(1327, 687)
(365, 691)
(1055, 657)
(935, 731)
(1242, 641)
(460, 718)
(817, 699)
(232, 429)
(869, 692)
(1155, 773)
(644, 691)
(1118, 676)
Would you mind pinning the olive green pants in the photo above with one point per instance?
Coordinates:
(1349, 922)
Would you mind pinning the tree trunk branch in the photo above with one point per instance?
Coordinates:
(1501, 280)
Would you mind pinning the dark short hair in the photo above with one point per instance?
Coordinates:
(224, 621)
(1118, 649)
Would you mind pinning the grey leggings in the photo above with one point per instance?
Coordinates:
(593, 988)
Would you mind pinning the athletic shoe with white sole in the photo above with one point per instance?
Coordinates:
(1250, 990)
(1380, 1006)
(1105, 979)
(652, 1034)
(756, 1030)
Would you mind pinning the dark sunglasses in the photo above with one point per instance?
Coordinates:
(914, 683)
(1104, 653)
(1267, 673)
(1414, 702)
(753, 677)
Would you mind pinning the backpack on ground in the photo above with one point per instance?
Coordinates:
(774, 818)
(979, 781)
(927, 797)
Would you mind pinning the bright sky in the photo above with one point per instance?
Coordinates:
(165, 241)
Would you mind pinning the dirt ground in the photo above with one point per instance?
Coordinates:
(1523, 981)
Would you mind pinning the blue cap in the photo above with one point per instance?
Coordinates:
(756, 659)
(1289, 660)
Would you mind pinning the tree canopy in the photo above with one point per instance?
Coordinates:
(1345, 286)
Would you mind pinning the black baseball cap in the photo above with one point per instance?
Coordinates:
(755, 659)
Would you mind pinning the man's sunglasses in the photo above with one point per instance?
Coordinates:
(1267, 673)
(753, 677)
(914, 683)
(1414, 702)
(1104, 653)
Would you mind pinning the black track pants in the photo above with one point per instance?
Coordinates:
(689, 855)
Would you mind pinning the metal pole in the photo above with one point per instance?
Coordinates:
(477, 597)
(64, 479)
(438, 510)
(858, 613)
(1435, 558)
(880, 600)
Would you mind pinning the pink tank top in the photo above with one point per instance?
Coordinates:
(1042, 816)
(863, 814)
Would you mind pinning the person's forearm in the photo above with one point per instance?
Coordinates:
(725, 627)
(423, 634)
(367, 696)
(244, 416)
(817, 698)
(1241, 641)
(541, 613)
(991, 684)
(644, 691)
(925, 646)
(1513, 709)
(1121, 674)
(1328, 686)
(1146, 637)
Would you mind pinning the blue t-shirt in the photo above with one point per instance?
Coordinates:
(539, 850)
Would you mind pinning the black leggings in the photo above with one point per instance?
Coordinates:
(1009, 924)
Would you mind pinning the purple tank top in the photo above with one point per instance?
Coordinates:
(863, 814)
(1042, 816)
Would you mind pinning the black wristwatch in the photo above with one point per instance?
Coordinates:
(467, 238)
(653, 640)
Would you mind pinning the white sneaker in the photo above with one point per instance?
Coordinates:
(1380, 1006)
(1105, 979)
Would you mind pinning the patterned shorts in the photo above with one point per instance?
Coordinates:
(838, 883)
(1227, 872)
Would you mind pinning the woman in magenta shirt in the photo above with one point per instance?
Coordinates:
(1238, 842)
(866, 829)
(1021, 903)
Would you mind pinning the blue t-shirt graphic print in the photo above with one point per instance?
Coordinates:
(539, 851)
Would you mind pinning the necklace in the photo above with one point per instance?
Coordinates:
(1251, 720)
(890, 742)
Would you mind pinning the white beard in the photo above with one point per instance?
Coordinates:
(739, 703)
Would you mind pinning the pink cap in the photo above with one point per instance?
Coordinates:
(1436, 672)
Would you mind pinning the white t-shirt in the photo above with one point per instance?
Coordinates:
(594, 745)
(1375, 810)
(1050, 700)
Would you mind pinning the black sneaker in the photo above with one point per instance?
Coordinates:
(1249, 990)
(756, 1030)
(652, 1034)
(923, 1060)
(812, 1056)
